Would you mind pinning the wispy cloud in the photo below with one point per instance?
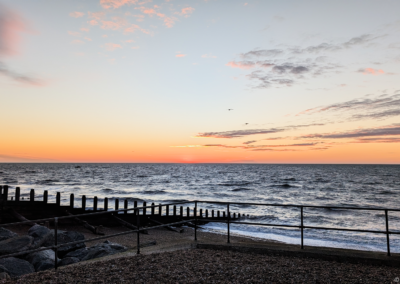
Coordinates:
(371, 71)
(112, 46)
(11, 26)
(180, 55)
(383, 106)
(76, 14)
(238, 133)
(288, 66)
(391, 130)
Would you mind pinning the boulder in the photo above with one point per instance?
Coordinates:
(16, 244)
(79, 253)
(3, 269)
(42, 260)
(40, 235)
(64, 237)
(4, 276)
(68, 260)
(106, 248)
(6, 234)
(16, 266)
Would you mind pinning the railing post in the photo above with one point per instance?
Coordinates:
(387, 232)
(229, 229)
(181, 211)
(138, 233)
(212, 213)
(159, 209)
(195, 220)
(5, 194)
(95, 203)
(32, 195)
(45, 196)
(167, 210)
(106, 204)
(187, 212)
(174, 210)
(152, 209)
(302, 229)
(55, 242)
(58, 199)
(71, 201)
(144, 209)
(17, 194)
(126, 206)
(84, 202)
(134, 206)
(116, 204)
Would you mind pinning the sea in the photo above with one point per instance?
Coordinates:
(371, 186)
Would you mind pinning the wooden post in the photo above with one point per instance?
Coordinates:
(187, 212)
(194, 212)
(218, 214)
(234, 215)
(116, 204)
(58, 199)
(167, 210)
(152, 209)
(106, 204)
(5, 193)
(201, 213)
(144, 209)
(181, 211)
(95, 203)
(135, 205)
(223, 214)
(71, 201)
(159, 209)
(84, 202)
(212, 213)
(45, 196)
(126, 206)
(17, 194)
(174, 210)
(238, 215)
(32, 195)
(207, 213)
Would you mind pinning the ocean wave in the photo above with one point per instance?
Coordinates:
(154, 192)
(241, 189)
(142, 176)
(47, 181)
(285, 185)
(235, 183)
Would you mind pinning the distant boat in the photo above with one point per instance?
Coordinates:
(77, 167)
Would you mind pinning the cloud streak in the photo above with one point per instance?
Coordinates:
(391, 130)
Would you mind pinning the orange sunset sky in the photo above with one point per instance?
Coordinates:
(200, 81)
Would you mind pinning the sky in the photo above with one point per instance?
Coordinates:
(216, 81)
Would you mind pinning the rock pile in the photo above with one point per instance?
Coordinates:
(41, 237)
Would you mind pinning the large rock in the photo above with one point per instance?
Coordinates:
(40, 235)
(79, 253)
(6, 234)
(17, 244)
(16, 266)
(42, 260)
(64, 237)
(4, 276)
(68, 260)
(3, 269)
(106, 248)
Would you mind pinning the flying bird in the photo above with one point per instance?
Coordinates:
(230, 109)
(246, 123)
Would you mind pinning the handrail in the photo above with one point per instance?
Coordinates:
(200, 218)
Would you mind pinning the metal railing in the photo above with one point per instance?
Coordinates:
(302, 226)
(196, 220)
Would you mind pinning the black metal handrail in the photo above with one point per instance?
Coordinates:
(200, 218)
(387, 232)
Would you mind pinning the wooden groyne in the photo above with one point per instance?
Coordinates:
(33, 208)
